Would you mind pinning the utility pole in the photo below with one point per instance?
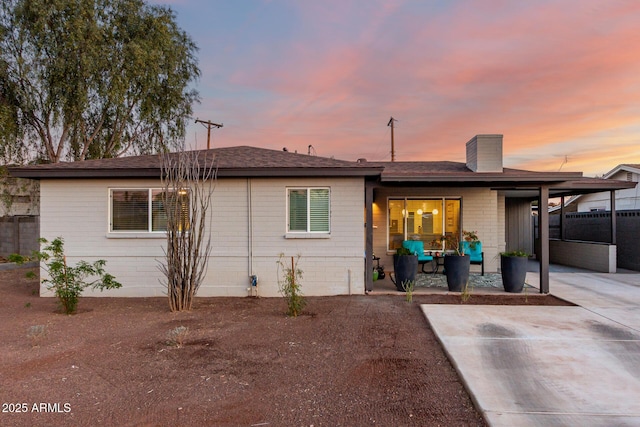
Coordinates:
(393, 150)
(208, 125)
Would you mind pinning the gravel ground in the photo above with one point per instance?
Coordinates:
(347, 361)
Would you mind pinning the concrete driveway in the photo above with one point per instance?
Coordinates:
(551, 366)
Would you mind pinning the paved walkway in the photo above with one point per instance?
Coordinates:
(551, 366)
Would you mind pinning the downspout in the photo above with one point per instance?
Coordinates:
(368, 247)
(562, 213)
(253, 280)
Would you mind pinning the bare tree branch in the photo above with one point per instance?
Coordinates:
(189, 179)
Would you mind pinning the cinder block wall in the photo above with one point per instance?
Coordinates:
(596, 227)
(19, 234)
(589, 255)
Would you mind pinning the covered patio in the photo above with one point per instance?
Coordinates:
(420, 200)
(490, 283)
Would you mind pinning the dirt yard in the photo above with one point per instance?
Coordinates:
(348, 361)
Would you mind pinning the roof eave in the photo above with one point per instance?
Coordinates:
(623, 167)
(84, 173)
(602, 185)
(475, 179)
(300, 172)
(231, 173)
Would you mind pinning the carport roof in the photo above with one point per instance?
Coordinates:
(459, 172)
(514, 182)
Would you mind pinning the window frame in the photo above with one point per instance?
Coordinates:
(149, 232)
(405, 199)
(308, 232)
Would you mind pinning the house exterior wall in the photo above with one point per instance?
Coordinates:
(519, 226)
(481, 212)
(628, 199)
(501, 214)
(248, 230)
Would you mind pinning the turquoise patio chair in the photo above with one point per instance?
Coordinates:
(475, 253)
(416, 247)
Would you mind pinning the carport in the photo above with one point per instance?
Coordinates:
(590, 255)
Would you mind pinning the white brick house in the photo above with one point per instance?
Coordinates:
(266, 202)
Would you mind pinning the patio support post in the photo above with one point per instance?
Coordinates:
(543, 230)
(562, 233)
(368, 251)
(612, 195)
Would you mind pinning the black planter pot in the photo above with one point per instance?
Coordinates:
(405, 268)
(456, 268)
(514, 272)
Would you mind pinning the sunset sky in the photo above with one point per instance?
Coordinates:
(559, 79)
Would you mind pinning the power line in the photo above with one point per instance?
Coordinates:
(208, 124)
(393, 150)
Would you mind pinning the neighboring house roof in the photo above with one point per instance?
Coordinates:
(629, 167)
(618, 184)
(241, 161)
(567, 203)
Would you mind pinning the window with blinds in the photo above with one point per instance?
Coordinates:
(308, 210)
(129, 210)
(146, 210)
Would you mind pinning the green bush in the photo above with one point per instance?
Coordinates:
(289, 285)
(514, 253)
(66, 281)
(403, 251)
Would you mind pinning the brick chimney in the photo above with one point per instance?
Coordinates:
(484, 153)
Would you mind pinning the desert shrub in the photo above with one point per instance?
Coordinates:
(289, 285)
(66, 281)
(177, 336)
(36, 334)
(465, 295)
(409, 286)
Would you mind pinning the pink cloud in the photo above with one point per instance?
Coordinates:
(540, 73)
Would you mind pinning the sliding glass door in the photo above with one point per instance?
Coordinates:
(422, 219)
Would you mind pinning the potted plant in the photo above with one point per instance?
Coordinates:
(472, 246)
(405, 266)
(456, 263)
(513, 268)
(469, 240)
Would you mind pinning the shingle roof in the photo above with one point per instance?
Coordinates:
(245, 161)
(231, 161)
(457, 171)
